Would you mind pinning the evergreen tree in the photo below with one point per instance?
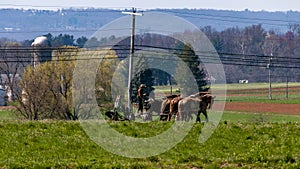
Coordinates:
(191, 60)
(142, 75)
(81, 41)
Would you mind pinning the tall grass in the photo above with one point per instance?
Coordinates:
(60, 144)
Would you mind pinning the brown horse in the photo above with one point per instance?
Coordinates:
(186, 107)
(194, 104)
(165, 107)
(206, 103)
(174, 107)
(152, 105)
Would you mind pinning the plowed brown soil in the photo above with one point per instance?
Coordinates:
(263, 107)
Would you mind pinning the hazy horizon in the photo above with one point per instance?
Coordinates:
(234, 5)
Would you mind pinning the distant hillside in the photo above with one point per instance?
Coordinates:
(27, 24)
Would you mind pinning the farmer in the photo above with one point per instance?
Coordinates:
(141, 97)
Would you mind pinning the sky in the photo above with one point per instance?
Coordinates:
(253, 5)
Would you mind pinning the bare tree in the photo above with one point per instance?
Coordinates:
(13, 58)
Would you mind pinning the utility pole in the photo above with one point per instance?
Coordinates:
(269, 66)
(34, 57)
(287, 86)
(131, 55)
(170, 81)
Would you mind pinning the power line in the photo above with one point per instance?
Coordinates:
(226, 58)
(24, 50)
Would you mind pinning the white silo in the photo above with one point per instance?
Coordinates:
(41, 50)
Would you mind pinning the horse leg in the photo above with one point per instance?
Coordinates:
(190, 116)
(205, 114)
(150, 116)
(186, 116)
(179, 116)
(161, 117)
(169, 117)
(198, 119)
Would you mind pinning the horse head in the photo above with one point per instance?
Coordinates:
(208, 99)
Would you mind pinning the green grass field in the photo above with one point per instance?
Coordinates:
(60, 144)
(237, 86)
(229, 116)
(246, 117)
(239, 93)
(242, 140)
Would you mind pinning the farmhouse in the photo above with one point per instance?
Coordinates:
(7, 81)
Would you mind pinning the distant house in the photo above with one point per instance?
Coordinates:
(210, 79)
(4, 84)
(3, 97)
(243, 81)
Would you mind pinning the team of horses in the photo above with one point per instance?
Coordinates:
(173, 106)
(182, 108)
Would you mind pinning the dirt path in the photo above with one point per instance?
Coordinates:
(263, 107)
(7, 108)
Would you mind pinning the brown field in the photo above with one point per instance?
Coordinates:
(263, 107)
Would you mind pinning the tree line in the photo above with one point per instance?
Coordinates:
(252, 50)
